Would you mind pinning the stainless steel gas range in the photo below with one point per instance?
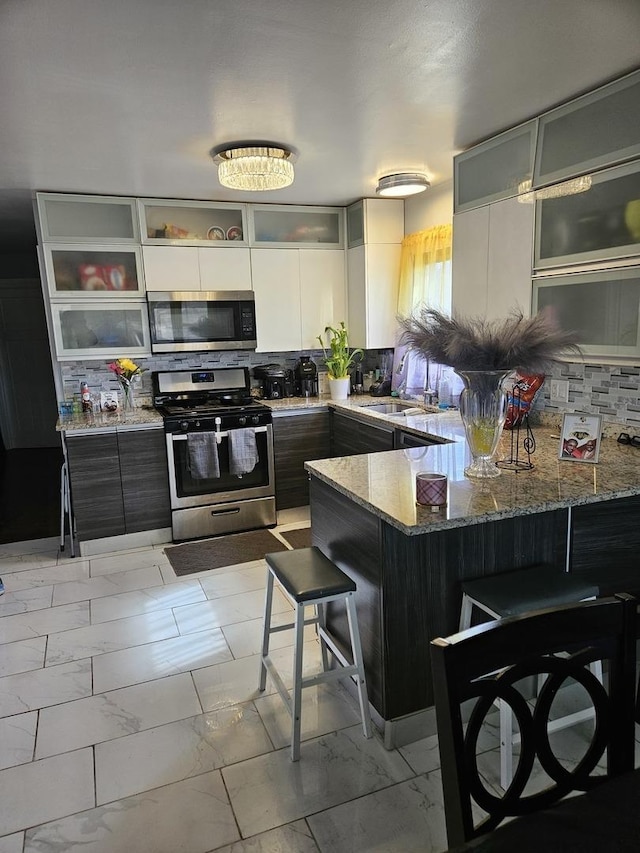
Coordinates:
(219, 451)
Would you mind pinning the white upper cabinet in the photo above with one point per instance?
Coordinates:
(191, 223)
(100, 329)
(492, 251)
(192, 268)
(86, 271)
(375, 233)
(297, 293)
(86, 219)
(287, 226)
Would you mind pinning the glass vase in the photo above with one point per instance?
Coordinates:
(128, 403)
(483, 408)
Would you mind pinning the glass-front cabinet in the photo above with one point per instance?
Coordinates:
(285, 226)
(87, 330)
(498, 168)
(190, 223)
(603, 307)
(86, 219)
(600, 224)
(106, 272)
(591, 132)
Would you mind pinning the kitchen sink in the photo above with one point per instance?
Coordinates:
(393, 408)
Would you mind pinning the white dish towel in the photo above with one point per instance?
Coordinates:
(243, 451)
(202, 448)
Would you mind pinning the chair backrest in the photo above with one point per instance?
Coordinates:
(488, 662)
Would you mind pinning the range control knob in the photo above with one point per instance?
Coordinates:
(242, 420)
(184, 425)
(255, 419)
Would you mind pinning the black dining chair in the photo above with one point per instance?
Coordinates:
(494, 661)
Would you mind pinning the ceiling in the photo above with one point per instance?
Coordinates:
(127, 97)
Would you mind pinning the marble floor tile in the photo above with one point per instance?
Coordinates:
(110, 636)
(155, 660)
(41, 622)
(46, 790)
(169, 753)
(45, 576)
(52, 685)
(124, 561)
(17, 739)
(422, 755)
(22, 656)
(297, 515)
(192, 816)
(220, 584)
(24, 562)
(48, 545)
(110, 715)
(408, 817)
(25, 600)
(245, 638)
(325, 708)
(112, 584)
(237, 681)
(293, 838)
(271, 790)
(12, 843)
(145, 600)
(226, 611)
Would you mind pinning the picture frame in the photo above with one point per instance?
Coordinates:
(580, 437)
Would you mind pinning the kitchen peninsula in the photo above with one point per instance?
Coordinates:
(408, 561)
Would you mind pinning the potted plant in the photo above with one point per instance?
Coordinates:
(338, 359)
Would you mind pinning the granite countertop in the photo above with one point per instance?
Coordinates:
(384, 483)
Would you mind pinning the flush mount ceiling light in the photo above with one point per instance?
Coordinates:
(576, 185)
(401, 184)
(254, 166)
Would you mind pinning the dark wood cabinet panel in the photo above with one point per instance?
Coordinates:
(296, 440)
(350, 436)
(119, 482)
(145, 480)
(96, 490)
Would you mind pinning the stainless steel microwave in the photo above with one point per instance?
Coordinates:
(188, 321)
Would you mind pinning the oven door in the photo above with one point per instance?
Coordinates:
(188, 491)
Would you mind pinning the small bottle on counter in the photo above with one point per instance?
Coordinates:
(85, 397)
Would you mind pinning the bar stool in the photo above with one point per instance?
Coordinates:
(514, 593)
(308, 577)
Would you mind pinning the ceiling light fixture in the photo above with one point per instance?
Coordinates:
(576, 185)
(254, 166)
(402, 184)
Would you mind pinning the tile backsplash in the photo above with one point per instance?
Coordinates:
(612, 391)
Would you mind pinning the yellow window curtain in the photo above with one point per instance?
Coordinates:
(425, 270)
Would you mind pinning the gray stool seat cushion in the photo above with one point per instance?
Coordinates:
(512, 593)
(306, 574)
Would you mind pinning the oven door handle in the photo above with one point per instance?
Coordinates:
(224, 434)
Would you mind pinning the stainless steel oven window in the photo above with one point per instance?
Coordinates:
(189, 492)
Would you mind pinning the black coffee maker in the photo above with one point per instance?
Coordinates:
(306, 377)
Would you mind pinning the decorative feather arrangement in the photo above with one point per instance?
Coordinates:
(530, 344)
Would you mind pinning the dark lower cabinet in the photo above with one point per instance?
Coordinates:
(350, 436)
(119, 482)
(298, 438)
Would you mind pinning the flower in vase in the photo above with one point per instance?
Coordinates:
(125, 370)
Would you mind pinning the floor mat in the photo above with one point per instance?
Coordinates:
(298, 538)
(222, 551)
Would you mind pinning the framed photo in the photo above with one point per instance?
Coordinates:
(580, 437)
(109, 401)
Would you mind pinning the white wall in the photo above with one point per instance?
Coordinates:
(430, 208)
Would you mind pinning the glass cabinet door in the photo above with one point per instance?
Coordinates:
(597, 130)
(600, 224)
(286, 226)
(86, 219)
(105, 271)
(495, 169)
(100, 330)
(192, 223)
(602, 307)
